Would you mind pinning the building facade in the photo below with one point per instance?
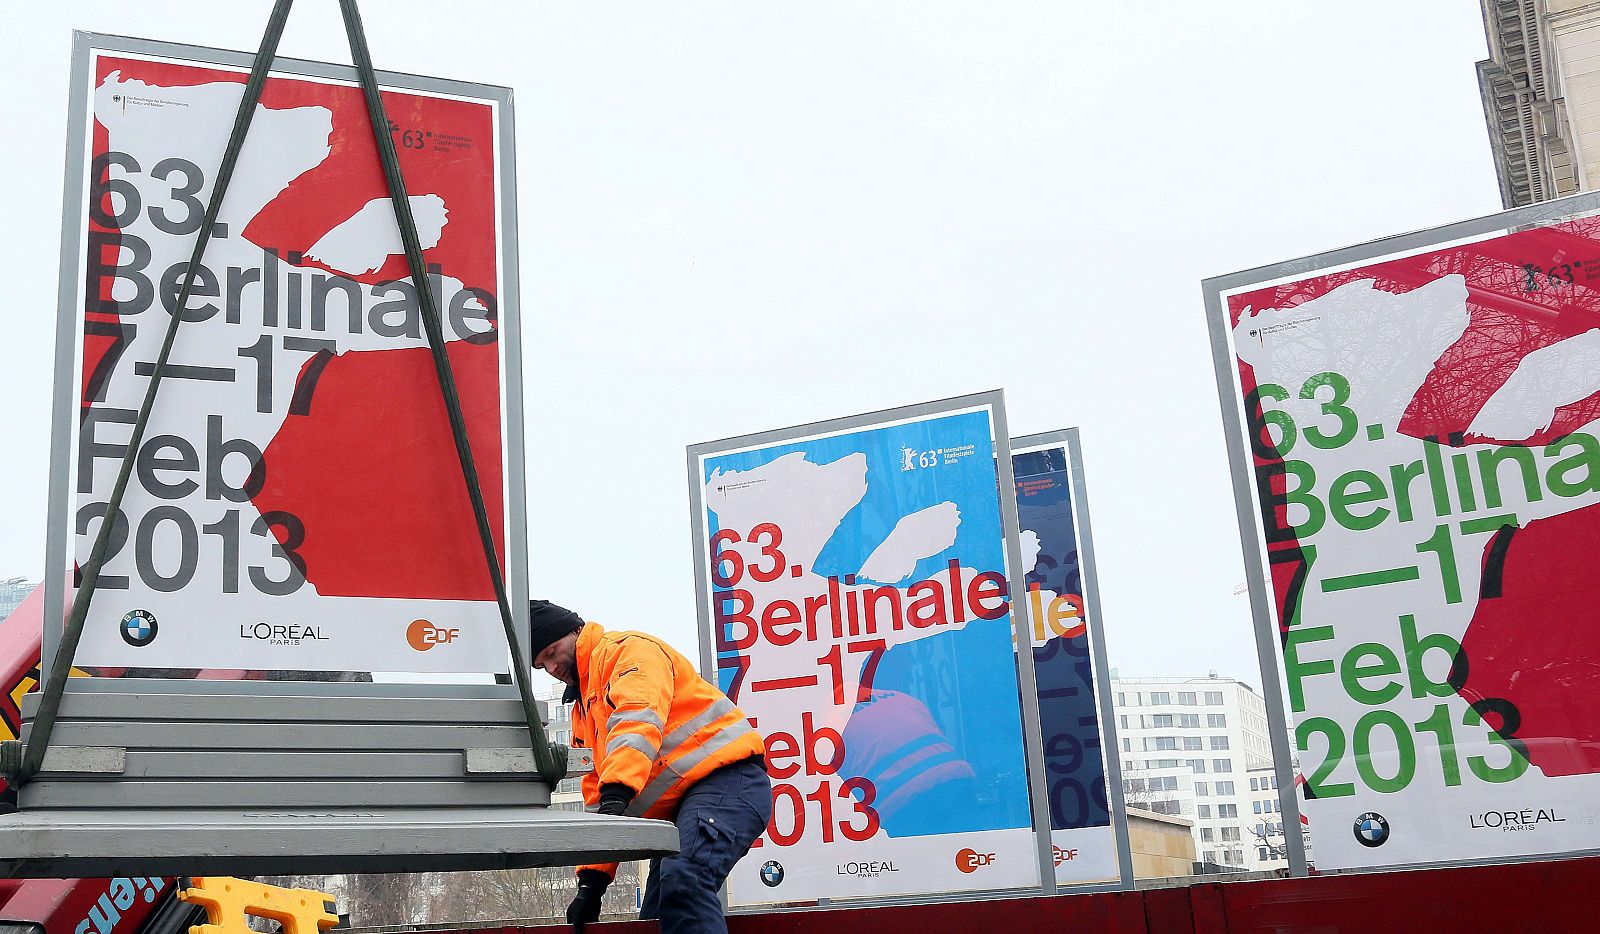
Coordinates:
(1189, 747)
(1541, 96)
(1162, 846)
(12, 593)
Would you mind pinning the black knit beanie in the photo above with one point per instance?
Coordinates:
(548, 622)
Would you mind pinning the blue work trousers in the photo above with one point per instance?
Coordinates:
(718, 818)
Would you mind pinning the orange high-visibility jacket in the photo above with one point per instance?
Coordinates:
(654, 724)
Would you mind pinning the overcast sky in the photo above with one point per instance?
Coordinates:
(742, 216)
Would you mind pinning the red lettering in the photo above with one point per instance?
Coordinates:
(812, 736)
(780, 613)
(833, 607)
(743, 605)
(719, 555)
(926, 610)
(958, 612)
(872, 598)
(781, 748)
(813, 604)
(989, 586)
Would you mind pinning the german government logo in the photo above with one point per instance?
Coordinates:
(771, 873)
(138, 628)
(1371, 829)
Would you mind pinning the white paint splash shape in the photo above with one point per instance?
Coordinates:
(366, 240)
(922, 534)
(1030, 551)
(1544, 381)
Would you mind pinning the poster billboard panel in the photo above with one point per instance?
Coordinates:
(1412, 425)
(297, 502)
(853, 583)
(1069, 667)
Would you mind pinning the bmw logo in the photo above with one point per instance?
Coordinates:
(139, 628)
(771, 873)
(1371, 829)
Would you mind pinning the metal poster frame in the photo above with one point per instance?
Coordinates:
(994, 400)
(1068, 439)
(1251, 536)
(58, 544)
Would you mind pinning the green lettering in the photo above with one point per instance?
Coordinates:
(1463, 469)
(1489, 462)
(1351, 671)
(1586, 457)
(1400, 477)
(1344, 494)
(1297, 670)
(1303, 495)
(1436, 480)
(1415, 649)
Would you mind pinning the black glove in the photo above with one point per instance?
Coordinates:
(614, 798)
(585, 907)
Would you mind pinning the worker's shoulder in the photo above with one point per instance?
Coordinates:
(617, 639)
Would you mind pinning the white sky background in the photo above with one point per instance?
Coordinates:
(741, 216)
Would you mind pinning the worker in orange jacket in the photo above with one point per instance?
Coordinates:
(667, 744)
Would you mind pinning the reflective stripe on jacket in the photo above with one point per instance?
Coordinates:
(654, 724)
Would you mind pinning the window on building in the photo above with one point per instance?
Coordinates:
(1227, 810)
(1261, 851)
(1186, 698)
(1206, 836)
(1253, 785)
(1203, 812)
(1127, 744)
(1161, 721)
(1166, 763)
(1136, 786)
(1224, 788)
(1165, 744)
(1189, 720)
(1230, 834)
(1196, 765)
(1193, 742)
(1122, 721)
(1165, 697)
(1210, 856)
(1122, 700)
(1216, 720)
(1222, 765)
(1273, 779)
(1213, 698)
(1201, 789)
(1219, 742)
(1256, 805)
(1267, 807)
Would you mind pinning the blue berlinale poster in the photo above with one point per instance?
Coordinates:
(861, 617)
(1074, 762)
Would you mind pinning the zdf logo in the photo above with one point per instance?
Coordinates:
(1063, 856)
(968, 859)
(423, 635)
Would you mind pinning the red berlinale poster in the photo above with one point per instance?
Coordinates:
(297, 501)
